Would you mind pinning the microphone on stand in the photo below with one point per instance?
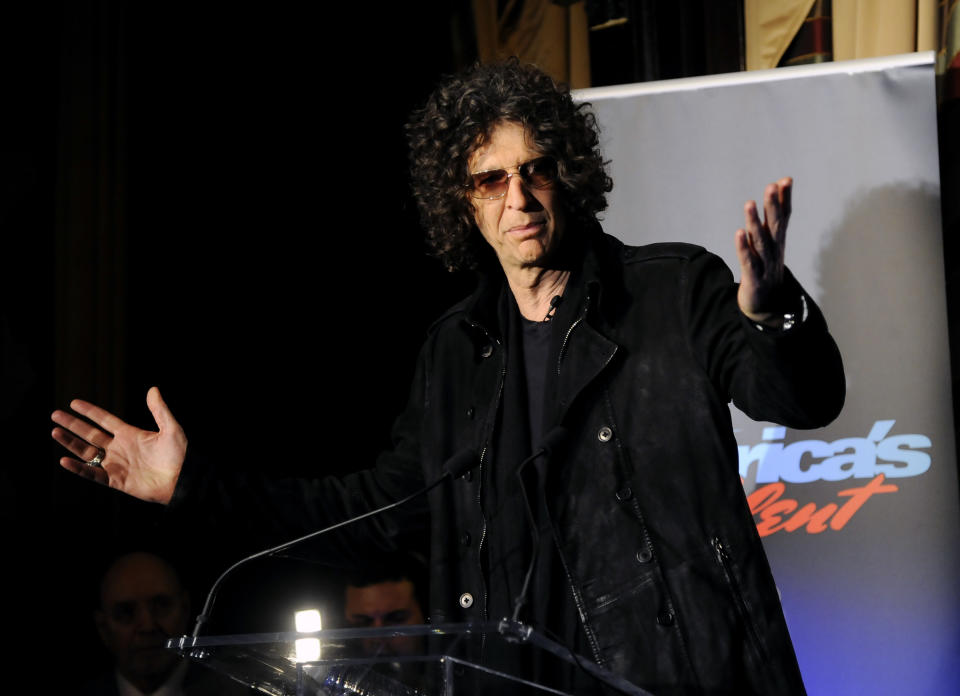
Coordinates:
(455, 467)
(553, 439)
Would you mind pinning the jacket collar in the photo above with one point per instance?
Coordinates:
(600, 274)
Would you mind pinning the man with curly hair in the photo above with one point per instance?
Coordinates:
(590, 381)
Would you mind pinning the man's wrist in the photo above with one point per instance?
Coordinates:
(782, 322)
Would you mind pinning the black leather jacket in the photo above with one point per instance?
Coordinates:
(660, 550)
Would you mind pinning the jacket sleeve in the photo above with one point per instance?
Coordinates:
(269, 511)
(794, 377)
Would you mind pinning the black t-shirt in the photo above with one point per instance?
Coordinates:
(526, 414)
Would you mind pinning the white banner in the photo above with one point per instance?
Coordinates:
(860, 519)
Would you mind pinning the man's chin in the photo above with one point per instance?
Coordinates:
(533, 257)
(532, 248)
(152, 662)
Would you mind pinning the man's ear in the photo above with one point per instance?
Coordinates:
(473, 206)
(100, 619)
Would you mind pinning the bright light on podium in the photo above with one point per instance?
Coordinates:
(308, 649)
(308, 621)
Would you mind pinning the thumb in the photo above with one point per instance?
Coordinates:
(161, 412)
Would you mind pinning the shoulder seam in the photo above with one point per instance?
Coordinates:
(458, 308)
(660, 251)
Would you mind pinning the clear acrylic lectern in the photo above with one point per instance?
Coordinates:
(441, 660)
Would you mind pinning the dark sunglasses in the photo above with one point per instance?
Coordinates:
(493, 183)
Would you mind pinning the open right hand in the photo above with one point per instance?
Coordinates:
(138, 462)
(761, 246)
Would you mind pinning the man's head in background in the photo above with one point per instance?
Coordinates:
(388, 592)
(142, 603)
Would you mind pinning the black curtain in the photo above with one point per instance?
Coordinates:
(644, 40)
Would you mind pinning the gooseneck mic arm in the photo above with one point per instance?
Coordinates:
(455, 467)
(548, 445)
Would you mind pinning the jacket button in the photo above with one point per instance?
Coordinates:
(665, 618)
(465, 538)
(644, 555)
(470, 413)
(624, 494)
(604, 434)
(486, 351)
(466, 600)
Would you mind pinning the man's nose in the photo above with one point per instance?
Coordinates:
(145, 619)
(518, 195)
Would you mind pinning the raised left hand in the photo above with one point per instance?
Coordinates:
(760, 249)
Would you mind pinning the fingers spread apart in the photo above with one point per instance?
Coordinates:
(80, 448)
(766, 238)
(84, 441)
(81, 429)
(104, 419)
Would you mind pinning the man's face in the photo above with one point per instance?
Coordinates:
(141, 605)
(383, 604)
(526, 225)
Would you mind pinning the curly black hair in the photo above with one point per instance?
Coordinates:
(460, 115)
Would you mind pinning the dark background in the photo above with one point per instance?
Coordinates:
(214, 200)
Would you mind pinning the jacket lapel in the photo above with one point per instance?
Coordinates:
(584, 354)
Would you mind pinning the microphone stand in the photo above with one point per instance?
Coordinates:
(453, 468)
